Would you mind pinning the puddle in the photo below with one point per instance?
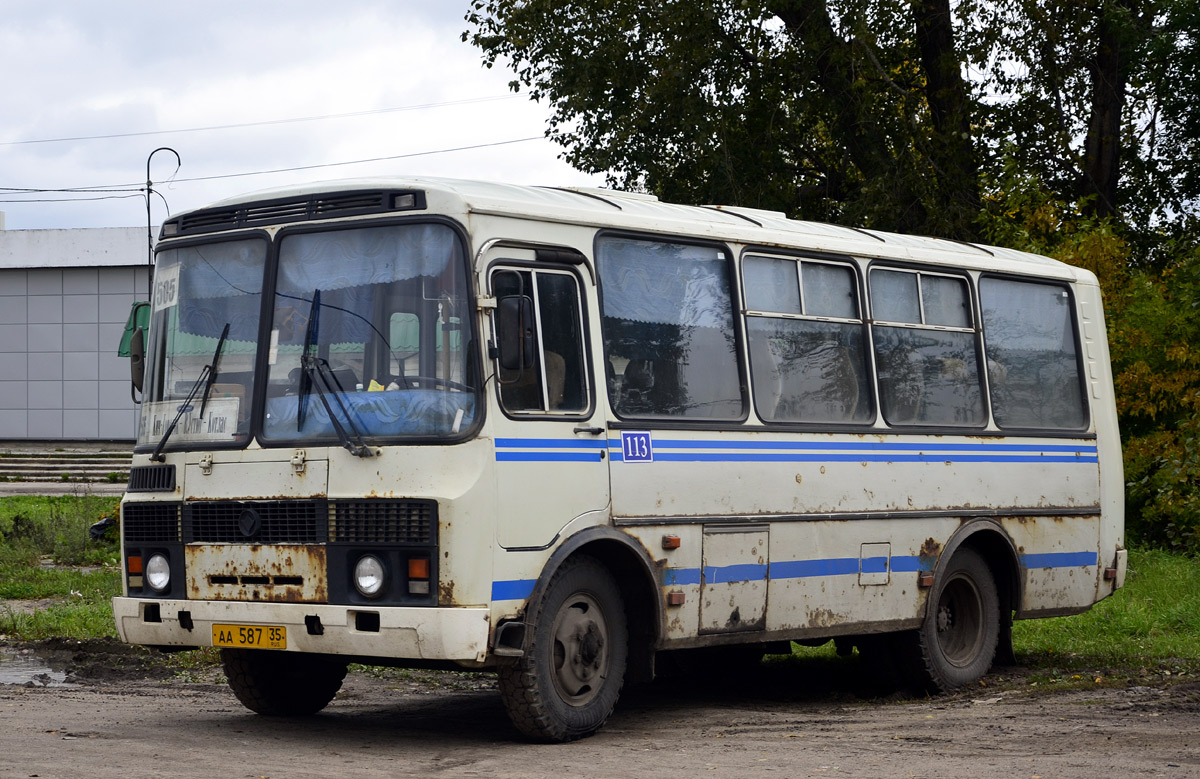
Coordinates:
(29, 670)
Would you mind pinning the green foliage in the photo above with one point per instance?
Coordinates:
(819, 112)
(859, 112)
(36, 526)
(76, 603)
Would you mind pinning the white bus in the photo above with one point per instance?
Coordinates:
(558, 432)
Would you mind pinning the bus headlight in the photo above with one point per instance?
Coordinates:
(158, 572)
(369, 576)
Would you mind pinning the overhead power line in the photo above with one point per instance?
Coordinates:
(140, 188)
(265, 123)
(360, 162)
(69, 199)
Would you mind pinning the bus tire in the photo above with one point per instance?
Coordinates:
(567, 682)
(282, 684)
(956, 643)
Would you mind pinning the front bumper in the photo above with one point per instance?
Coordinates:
(458, 634)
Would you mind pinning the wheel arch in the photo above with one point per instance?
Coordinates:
(986, 537)
(633, 571)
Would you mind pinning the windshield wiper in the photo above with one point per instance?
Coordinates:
(213, 370)
(207, 376)
(318, 373)
(314, 370)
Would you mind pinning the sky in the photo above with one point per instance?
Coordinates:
(222, 83)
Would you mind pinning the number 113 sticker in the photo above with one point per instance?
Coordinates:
(637, 446)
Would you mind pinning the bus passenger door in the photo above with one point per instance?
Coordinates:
(551, 450)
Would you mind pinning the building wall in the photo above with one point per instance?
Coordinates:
(60, 376)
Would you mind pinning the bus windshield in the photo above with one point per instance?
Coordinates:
(369, 336)
(366, 339)
(199, 291)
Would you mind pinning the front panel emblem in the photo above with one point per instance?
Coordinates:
(249, 523)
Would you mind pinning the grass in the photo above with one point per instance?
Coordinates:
(43, 540)
(1153, 622)
(37, 526)
(80, 601)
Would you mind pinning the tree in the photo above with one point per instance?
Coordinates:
(781, 105)
(880, 113)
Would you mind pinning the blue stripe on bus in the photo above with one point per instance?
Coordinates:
(548, 457)
(577, 450)
(681, 576)
(874, 565)
(586, 450)
(848, 566)
(550, 443)
(1060, 560)
(804, 569)
(659, 443)
(735, 457)
(517, 589)
(846, 451)
(747, 572)
(911, 563)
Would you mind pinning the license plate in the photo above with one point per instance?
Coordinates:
(250, 636)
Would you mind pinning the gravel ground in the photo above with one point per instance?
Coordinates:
(102, 709)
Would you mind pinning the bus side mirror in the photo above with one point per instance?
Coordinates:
(515, 315)
(137, 358)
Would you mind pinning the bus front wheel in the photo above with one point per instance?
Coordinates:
(956, 643)
(282, 684)
(567, 682)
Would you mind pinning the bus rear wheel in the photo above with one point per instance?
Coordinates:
(956, 643)
(567, 683)
(282, 684)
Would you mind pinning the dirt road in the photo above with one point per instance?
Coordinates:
(119, 717)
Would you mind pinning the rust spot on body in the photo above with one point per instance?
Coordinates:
(930, 550)
(277, 574)
(823, 618)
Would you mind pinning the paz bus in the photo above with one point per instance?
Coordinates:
(563, 432)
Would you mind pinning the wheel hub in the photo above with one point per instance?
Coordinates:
(945, 619)
(591, 644)
(580, 653)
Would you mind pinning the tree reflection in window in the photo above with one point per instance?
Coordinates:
(668, 329)
(807, 341)
(926, 351)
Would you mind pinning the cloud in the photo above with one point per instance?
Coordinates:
(88, 69)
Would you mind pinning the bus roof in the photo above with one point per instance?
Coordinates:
(606, 208)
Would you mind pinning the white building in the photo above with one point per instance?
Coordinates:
(65, 296)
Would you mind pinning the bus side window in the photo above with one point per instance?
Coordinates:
(926, 349)
(808, 353)
(1033, 365)
(668, 329)
(556, 381)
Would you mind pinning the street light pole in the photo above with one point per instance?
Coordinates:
(149, 228)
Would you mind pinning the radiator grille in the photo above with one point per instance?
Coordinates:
(152, 478)
(231, 522)
(383, 521)
(150, 523)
